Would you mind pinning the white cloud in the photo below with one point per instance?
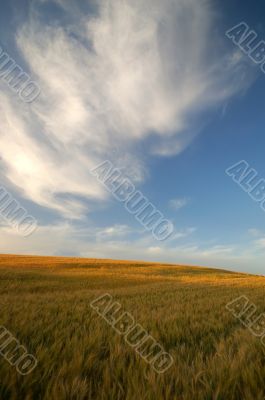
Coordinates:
(255, 232)
(218, 250)
(116, 242)
(178, 203)
(260, 243)
(154, 250)
(137, 70)
(115, 231)
(182, 233)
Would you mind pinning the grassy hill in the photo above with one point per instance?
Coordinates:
(45, 303)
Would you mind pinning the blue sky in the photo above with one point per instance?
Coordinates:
(159, 90)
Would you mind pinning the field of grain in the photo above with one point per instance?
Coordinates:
(45, 303)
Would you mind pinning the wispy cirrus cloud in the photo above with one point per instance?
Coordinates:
(131, 72)
(178, 203)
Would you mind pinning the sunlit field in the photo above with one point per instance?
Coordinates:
(45, 303)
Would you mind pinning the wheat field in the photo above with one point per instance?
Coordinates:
(45, 303)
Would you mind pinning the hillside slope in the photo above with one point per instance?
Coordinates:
(45, 303)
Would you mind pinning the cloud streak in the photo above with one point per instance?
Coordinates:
(132, 73)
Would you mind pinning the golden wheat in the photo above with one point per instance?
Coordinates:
(45, 303)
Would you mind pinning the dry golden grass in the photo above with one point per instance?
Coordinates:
(45, 304)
